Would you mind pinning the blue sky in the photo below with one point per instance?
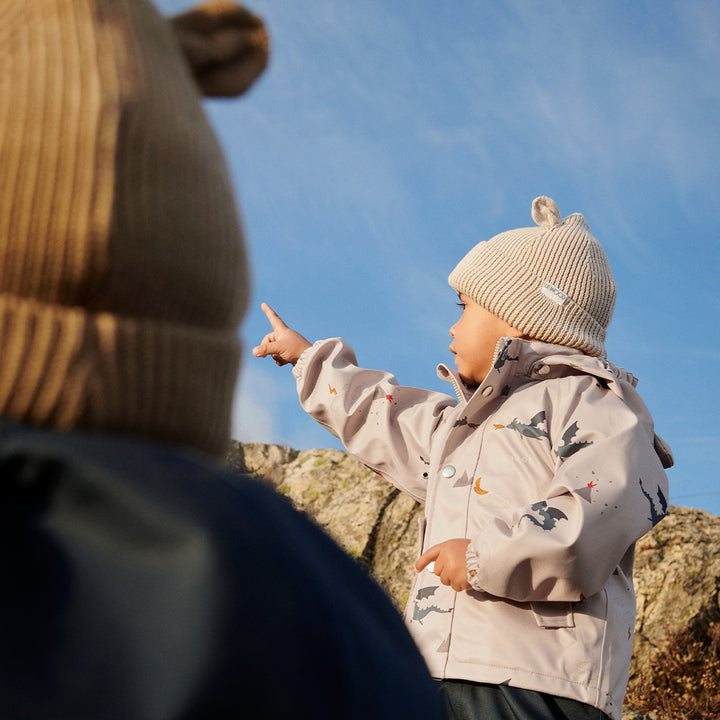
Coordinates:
(387, 137)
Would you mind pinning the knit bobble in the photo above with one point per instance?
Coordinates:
(545, 212)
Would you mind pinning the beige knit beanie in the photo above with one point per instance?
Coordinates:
(122, 270)
(552, 282)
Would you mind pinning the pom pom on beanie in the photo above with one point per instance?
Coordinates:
(553, 282)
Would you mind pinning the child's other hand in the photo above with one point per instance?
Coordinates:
(282, 344)
(450, 563)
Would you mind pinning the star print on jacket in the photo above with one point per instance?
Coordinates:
(531, 429)
(569, 447)
(548, 516)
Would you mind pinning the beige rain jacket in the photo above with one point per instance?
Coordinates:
(552, 469)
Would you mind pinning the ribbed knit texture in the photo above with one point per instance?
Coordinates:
(553, 282)
(122, 270)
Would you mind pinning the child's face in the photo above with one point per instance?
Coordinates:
(475, 336)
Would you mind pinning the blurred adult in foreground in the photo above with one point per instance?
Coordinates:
(141, 578)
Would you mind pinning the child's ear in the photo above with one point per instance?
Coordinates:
(225, 44)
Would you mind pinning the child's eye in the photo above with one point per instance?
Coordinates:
(461, 305)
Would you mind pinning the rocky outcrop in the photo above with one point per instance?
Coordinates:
(676, 654)
(677, 574)
(677, 565)
(367, 516)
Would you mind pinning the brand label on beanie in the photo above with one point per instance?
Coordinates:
(555, 294)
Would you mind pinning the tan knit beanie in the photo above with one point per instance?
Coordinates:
(552, 282)
(122, 269)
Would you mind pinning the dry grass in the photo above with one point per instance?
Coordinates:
(685, 680)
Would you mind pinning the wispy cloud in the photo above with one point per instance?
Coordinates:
(255, 406)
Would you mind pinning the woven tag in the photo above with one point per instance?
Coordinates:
(555, 294)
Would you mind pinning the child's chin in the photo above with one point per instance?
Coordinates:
(470, 382)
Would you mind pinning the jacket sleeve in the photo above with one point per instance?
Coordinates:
(386, 426)
(607, 489)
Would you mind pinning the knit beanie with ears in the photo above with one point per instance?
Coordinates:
(122, 267)
(552, 282)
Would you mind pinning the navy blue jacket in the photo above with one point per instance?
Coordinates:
(142, 581)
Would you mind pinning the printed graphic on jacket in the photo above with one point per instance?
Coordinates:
(478, 489)
(463, 481)
(545, 517)
(569, 447)
(464, 421)
(503, 356)
(530, 429)
(427, 464)
(421, 608)
(655, 516)
(585, 492)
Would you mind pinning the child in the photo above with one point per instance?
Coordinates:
(537, 480)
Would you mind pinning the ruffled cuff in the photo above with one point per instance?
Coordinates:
(306, 356)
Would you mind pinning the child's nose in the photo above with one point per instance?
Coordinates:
(452, 332)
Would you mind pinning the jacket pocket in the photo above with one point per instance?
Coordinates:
(553, 614)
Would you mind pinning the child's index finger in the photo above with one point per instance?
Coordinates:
(428, 558)
(275, 320)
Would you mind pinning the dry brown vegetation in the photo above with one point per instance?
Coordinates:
(685, 680)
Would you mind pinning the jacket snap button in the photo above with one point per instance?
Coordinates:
(448, 471)
(487, 391)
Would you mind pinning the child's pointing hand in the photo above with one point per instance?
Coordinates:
(450, 563)
(283, 344)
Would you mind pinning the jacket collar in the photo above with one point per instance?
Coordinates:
(519, 361)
